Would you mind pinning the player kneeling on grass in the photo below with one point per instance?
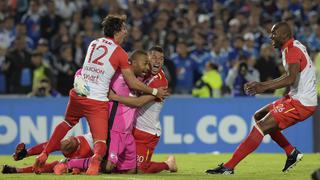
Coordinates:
(147, 129)
(72, 147)
(148, 112)
(298, 105)
(122, 150)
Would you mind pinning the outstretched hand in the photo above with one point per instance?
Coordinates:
(253, 88)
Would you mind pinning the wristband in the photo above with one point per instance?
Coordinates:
(154, 91)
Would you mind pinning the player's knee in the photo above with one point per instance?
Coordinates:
(267, 126)
(258, 116)
(261, 128)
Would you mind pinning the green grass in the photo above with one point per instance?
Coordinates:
(192, 166)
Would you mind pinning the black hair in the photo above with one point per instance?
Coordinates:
(156, 48)
(285, 28)
(112, 24)
(136, 53)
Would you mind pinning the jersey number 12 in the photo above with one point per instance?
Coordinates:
(97, 60)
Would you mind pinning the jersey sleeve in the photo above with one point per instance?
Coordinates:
(119, 59)
(160, 81)
(293, 56)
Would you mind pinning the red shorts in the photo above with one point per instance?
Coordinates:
(145, 144)
(287, 111)
(96, 113)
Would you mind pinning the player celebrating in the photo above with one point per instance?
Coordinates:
(103, 58)
(295, 107)
(147, 129)
(72, 147)
(122, 150)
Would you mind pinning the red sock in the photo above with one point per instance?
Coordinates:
(246, 147)
(27, 169)
(282, 141)
(54, 142)
(37, 149)
(48, 167)
(100, 149)
(153, 167)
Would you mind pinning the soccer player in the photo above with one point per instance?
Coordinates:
(147, 128)
(295, 107)
(104, 57)
(122, 150)
(72, 147)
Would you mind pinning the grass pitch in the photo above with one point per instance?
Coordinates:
(193, 166)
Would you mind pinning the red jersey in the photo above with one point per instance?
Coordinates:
(304, 89)
(147, 116)
(85, 148)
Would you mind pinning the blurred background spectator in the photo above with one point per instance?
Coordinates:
(191, 32)
(44, 89)
(209, 84)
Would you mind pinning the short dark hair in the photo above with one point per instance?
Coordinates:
(36, 54)
(136, 53)
(285, 28)
(156, 48)
(213, 65)
(112, 24)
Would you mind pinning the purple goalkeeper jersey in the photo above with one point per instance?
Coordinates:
(124, 117)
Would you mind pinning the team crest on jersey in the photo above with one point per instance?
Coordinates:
(113, 155)
(278, 108)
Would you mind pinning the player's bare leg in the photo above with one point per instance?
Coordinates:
(171, 162)
(265, 126)
(293, 155)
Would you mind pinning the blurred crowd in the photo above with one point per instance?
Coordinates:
(212, 47)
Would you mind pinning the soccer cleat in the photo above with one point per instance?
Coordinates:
(171, 162)
(94, 166)
(60, 168)
(292, 160)
(20, 152)
(40, 161)
(6, 169)
(221, 169)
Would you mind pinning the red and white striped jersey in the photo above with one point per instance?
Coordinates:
(103, 58)
(304, 88)
(148, 116)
